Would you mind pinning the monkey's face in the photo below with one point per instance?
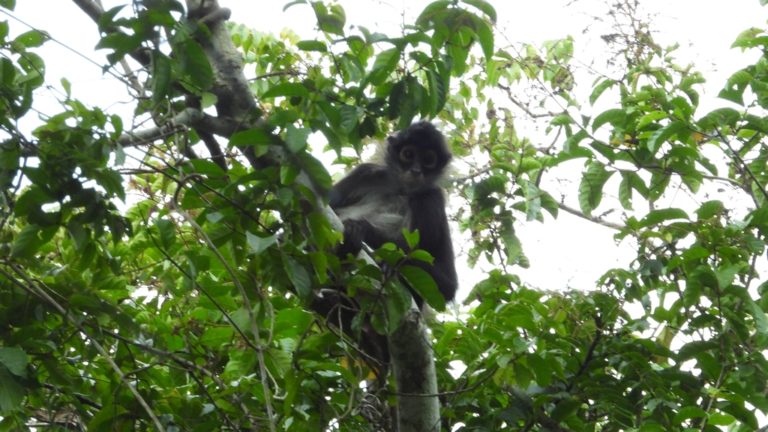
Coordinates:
(418, 156)
(418, 167)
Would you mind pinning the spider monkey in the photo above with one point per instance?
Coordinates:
(376, 200)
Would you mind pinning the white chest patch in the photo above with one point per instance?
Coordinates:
(387, 213)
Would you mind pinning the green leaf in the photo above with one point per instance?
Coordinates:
(750, 38)
(167, 231)
(689, 412)
(294, 3)
(11, 392)
(194, 64)
(664, 134)
(31, 39)
(710, 209)
(296, 138)
(258, 138)
(734, 88)
(216, 337)
(651, 117)
(30, 239)
(15, 360)
(616, 117)
(411, 238)
(288, 174)
(287, 90)
(316, 171)
(565, 408)
(312, 45)
(384, 65)
(421, 282)
(161, 76)
(720, 419)
(298, 277)
(572, 142)
(207, 168)
(484, 6)
(258, 244)
(431, 10)
(591, 187)
(330, 18)
(485, 37)
(599, 89)
(657, 216)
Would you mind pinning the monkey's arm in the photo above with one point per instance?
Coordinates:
(361, 180)
(428, 216)
(345, 197)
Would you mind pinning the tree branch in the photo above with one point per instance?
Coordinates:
(595, 219)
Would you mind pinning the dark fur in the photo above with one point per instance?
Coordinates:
(392, 189)
(375, 201)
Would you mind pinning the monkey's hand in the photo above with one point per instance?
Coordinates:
(354, 235)
(357, 232)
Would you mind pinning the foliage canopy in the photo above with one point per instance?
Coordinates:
(152, 277)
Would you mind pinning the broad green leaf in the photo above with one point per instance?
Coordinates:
(215, 337)
(710, 209)
(312, 45)
(207, 168)
(689, 412)
(591, 186)
(663, 135)
(651, 117)
(161, 76)
(258, 244)
(484, 6)
(720, 419)
(421, 282)
(411, 238)
(598, 90)
(194, 64)
(288, 174)
(433, 8)
(298, 277)
(11, 392)
(167, 233)
(750, 38)
(630, 181)
(296, 138)
(485, 37)
(30, 239)
(31, 39)
(316, 171)
(287, 90)
(657, 216)
(331, 18)
(384, 65)
(572, 142)
(616, 117)
(565, 408)
(257, 138)
(15, 360)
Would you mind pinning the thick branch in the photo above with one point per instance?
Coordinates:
(414, 369)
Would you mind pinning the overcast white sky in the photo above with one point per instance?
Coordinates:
(705, 30)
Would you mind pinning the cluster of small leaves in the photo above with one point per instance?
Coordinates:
(689, 352)
(359, 81)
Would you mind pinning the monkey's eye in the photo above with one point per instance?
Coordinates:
(429, 160)
(406, 154)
